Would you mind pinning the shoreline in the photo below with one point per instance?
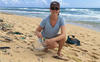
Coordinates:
(85, 26)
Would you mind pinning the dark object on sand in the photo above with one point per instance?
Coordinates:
(1, 20)
(18, 33)
(8, 39)
(6, 26)
(72, 40)
(4, 47)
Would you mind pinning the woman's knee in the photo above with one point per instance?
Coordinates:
(62, 40)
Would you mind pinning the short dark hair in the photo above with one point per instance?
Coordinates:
(55, 3)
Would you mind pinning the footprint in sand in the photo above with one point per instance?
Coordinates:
(93, 39)
(42, 55)
(83, 50)
(91, 61)
(87, 43)
(76, 50)
(88, 35)
(39, 54)
(84, 42)
(95, 53)
(98, 44)
(94, 49)
(75, 54)
(93, 56)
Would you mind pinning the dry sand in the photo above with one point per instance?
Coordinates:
(22, 47)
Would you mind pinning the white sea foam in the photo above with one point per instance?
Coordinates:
(85, 11)
(93, 17)
(22, 8)
(41, 9)
(77, 9)
(22, 11)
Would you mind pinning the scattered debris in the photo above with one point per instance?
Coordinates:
(17, 33)
(5, 39)
(1, 20)
(4, 47)
(6, 26)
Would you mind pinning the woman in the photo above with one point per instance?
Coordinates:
(49, 29)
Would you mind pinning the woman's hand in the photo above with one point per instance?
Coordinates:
(38, 32)
(39, 35)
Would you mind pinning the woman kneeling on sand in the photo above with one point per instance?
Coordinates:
(49, 29)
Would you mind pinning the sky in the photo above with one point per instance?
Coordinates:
(46, 3)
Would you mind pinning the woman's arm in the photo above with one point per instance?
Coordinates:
(38, 31)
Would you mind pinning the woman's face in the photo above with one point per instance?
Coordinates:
(54, 11)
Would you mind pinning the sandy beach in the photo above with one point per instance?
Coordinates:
(18, 34)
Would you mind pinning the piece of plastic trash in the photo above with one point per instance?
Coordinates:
(40, 46)
(18, 33)
(4, 47)
(22, 37)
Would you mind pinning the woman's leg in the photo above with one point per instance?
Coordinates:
(61, 44)
(54, 45)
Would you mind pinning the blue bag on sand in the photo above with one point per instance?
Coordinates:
(72, 40)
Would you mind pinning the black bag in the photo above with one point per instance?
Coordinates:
(72, 40)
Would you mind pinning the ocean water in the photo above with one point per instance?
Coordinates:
(86, 17)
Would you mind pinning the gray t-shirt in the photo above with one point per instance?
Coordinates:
(49, 31)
